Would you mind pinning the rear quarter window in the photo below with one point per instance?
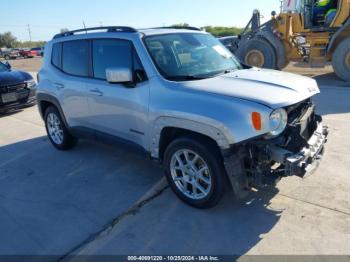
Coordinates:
(56, 57)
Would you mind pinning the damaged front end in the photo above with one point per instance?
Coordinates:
(297, 151)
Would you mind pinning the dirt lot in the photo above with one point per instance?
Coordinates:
(27, 64)
(96, 200)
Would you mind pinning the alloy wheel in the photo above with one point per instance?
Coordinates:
(54, 128)
(191, 174)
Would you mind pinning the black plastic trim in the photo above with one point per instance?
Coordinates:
(53, 100)
(109, 29)
(109, 139)
(179, 27)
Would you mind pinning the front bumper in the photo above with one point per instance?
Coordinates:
(24, 98)
(306, 160)
(263, 162)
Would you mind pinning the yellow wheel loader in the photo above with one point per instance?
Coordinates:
(315, 31)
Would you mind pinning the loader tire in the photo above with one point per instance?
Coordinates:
(258, 53)
(341, 60)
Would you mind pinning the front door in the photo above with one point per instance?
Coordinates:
(117, 109)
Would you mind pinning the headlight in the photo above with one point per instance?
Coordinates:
(31, 84)
(278, 122)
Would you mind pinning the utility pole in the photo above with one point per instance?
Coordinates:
(281, 6)
(29, 32)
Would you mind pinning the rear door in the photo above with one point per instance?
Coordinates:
(118, 109)
(71, 58)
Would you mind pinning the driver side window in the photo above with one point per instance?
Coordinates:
(109, 53)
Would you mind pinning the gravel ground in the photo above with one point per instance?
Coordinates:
(27, 64)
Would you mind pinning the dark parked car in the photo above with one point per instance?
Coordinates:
(9, 53)
(229, 42)
(17, 88)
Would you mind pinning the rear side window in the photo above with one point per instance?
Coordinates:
(75, 58)
(110, 53)
(57, 55)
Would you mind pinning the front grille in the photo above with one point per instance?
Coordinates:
(19, 91)
(296, 111)
(302, 116)
(12, 88)
(302, 123)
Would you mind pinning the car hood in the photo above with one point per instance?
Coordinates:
(13, 77)
(269, 87)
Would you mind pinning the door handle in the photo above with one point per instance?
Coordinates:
(58, 86)
(96, 92)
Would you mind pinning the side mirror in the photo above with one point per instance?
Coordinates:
(7, 64)
(120, 75)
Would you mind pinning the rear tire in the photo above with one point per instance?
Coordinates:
(195, 171)
(57, 131)
(341, 60)
(258, 53)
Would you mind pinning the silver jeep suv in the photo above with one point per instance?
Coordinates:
(180, 96)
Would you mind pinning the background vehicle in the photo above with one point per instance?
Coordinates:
(27, 53)
(299, 33)
(9, 53)
(39, 51)
(2, 52)
(229, 42)
(180, 96)
(17, 88)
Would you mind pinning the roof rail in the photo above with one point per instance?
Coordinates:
(178, 27)
(114, 29)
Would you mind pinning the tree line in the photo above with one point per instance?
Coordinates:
(217, 31)
(220, 31)
(8, 40)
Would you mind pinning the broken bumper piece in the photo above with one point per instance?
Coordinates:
(305, 161)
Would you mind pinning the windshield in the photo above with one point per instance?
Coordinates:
(3, 68)
(188, 56)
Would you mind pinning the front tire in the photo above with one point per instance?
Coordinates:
(195, 171)
(57, 131)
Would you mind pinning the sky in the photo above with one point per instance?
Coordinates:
(45, 18)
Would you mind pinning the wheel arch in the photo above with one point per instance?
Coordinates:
(166, 129)
(46, 100)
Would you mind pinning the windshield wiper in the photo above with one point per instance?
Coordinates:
(229, 71)
(185, 77)
(198, 77)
